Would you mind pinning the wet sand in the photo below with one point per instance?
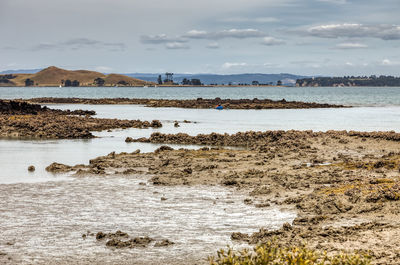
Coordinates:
(198, 103)
(344, 185)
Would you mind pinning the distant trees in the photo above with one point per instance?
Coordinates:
(192, 82)
(159, 80)
(75, 83)
(350, 81)
(255, 83)
(122, 83)
(279, 83)
(29, 82)
(185, 81)
(99, 81)
(196, 82)
(5, 79)
(68, 83)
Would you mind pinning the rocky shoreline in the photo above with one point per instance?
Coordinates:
(23, 120)
(198, 103)
(345, 186)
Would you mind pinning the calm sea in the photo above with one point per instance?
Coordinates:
(365, 96)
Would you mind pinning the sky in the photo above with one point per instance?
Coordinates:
(306, 37)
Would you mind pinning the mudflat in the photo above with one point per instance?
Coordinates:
(344, 185)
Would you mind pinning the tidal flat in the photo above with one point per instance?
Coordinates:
(181, 197)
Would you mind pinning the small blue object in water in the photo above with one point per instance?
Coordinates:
(219, 107)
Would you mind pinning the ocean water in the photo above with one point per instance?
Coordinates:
(358, 96)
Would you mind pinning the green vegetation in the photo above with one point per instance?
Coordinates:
(29, 82)
(350, 81)
(191, 82)
(99, 81)
(122, 83)
(5, 79)
(71, 83)
(272, 254)
(159, 80)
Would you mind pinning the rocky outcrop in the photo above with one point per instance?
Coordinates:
(259, 140)
(13, 107)
(198, 103)
(23, 120)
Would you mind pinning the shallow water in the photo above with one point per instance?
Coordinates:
(17, 155)
(44, 222)
(360, 96)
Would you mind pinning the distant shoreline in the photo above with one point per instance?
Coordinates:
(199, 103)
(152, 86)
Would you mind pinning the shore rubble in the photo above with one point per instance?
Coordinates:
(198, 103)
(24, 120)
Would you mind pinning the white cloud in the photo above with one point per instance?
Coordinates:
(197, 34)
(176, 46)
(103, 69)
(250, 20)
(270, 65)
(233, 65)
(160, 39)
(229, 33)
(271, 41)
(348, 30)
(349, 64)
(240, 33)
(334, 1)
(351, 45)
(79, 43)
(213, 45)
(387, 62)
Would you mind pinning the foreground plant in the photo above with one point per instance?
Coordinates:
(271, 253)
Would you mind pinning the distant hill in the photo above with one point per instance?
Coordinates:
(234, 79)
(20, 71)
(54, 76)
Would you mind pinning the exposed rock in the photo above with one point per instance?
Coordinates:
(58, 168)
(163, 148)
(198, 103)
(23, 120)
(164, 243)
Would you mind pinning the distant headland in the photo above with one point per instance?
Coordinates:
(54, 76)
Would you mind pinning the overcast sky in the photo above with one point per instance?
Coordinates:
(310, 37)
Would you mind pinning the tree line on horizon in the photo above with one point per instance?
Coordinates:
(372, 80)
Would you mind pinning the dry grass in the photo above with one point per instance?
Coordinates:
(271, 253)
(52, 76)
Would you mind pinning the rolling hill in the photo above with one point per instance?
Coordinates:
(54, 76)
